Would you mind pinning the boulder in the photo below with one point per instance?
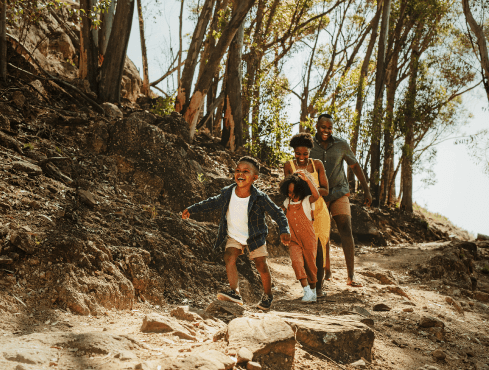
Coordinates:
(154, 323)
(131, 81)
(184, 313)
(208, 360)
(429, 322)
(27, 167)
(439, 354)
(112, 110)
(244, 355)
(340, 338)
(481, 296)
(22, 240)
(224, 307)
(262, 336)
(381, 307)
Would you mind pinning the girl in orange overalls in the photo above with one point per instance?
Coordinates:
(301, 193)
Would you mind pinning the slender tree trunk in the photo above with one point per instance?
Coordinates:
(88, 66)
(184, 89)
(234, 112)
(180, 41)
(3, 40)
(106, 27)
(111, 74)
(377, 114)
(211, 97)
(145, 89)
(360, 93)
(478, 30)
(408, 148)
(205, 80)
(387, 169)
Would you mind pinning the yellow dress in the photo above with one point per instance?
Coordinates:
(322, 221)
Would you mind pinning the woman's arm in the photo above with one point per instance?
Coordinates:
(287, 169)
(315, 194)
(323, 180)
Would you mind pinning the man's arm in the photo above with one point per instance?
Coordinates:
(357, 170)
(323, 180)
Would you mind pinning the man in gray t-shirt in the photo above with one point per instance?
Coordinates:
(332, 151)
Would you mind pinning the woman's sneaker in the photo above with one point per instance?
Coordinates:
(266, 302)
(231, 296)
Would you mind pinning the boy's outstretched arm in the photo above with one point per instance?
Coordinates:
(210, 204)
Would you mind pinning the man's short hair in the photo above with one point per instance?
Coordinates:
(251, 161)
(325, 116)
(302, 139)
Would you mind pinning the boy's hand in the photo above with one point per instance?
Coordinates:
(285, 239)
(185, 214)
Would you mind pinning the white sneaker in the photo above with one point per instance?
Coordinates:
(314, 295)
(308, 295)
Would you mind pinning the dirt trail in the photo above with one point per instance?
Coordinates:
(399, 341)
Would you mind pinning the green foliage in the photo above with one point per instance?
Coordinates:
(485, 269)
(28, 146)
(164, 106)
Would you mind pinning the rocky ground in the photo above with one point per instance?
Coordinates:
(98, 271)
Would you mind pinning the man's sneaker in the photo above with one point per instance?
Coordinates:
(309, 295)
(266, 302)
(231, 296)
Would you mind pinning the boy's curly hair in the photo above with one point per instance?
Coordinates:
(302, 139)
(251, 161)
(300, 186)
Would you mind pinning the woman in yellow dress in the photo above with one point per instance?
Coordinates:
(302, 144)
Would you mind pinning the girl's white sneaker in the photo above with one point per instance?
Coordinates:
(309, 295)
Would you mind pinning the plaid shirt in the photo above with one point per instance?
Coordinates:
(257, 206)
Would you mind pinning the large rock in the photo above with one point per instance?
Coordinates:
(112, 110)
(340, 338)
(218, 307)
(27, 167)
(154, 323)
(209, 360)
(262, 336)
(23, 241)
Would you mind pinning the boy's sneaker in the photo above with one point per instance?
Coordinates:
(266, 302)
(231, 296)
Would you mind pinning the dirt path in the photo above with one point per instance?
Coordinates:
(400, 343)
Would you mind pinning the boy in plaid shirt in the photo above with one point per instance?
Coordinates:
(243, 224)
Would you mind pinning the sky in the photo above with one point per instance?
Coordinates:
(461, 191)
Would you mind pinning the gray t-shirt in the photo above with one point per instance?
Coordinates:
(332, 158)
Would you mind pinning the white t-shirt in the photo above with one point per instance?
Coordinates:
(307, 206)
(237, 217)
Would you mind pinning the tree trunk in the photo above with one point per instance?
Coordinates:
(184, 89)
(211, 97)
(408, 148)
(478, 30)
(234, 112)
(106, 27)
(88, 65)
(180, 41)
(387, 169)
(360, 93)
(3, 41)
(204, 82)
(377, 114)
(111, 74)
(145, 89)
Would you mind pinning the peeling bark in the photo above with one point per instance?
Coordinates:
(88, 65)
(192, 57)
(111, 74)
